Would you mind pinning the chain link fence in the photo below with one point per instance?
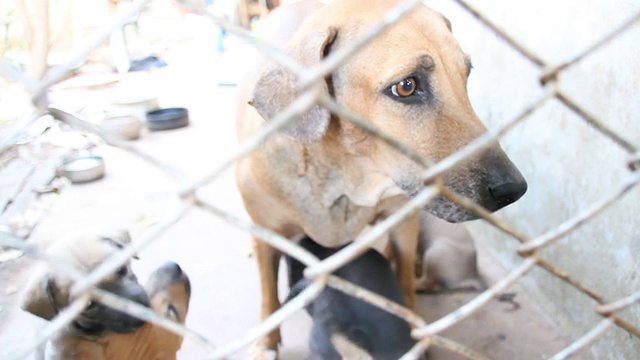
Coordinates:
(427, 334)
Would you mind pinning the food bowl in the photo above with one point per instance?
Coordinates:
(125, 127)
(138, 106)
(83, 168)
(167, 118)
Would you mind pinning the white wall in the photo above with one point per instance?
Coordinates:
(567, 163)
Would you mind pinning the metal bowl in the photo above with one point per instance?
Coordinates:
(82, 169)
(167, 118)
(125, 127)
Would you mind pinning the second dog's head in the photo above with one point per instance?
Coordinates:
(169, 289)
(50, 290)
(169, 292)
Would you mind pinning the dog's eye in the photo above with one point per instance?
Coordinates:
(172, 312)
(405, 88)
(122, 271)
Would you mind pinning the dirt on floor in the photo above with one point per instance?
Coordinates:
(138, 196)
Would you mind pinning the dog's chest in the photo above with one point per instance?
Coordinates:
(338, 224)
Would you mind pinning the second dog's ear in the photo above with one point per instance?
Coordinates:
(120, 238)
(39, 299)
(277, 88)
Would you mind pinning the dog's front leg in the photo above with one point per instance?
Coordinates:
(405, 243)
(267, 258)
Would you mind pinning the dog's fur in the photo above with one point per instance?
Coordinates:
(449, 257)
(346, 327)
(248, 9)
(99, 332)
(325, 178)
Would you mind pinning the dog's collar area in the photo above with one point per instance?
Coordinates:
(88, 330)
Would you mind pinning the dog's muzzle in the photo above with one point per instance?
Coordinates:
(491, 181)
(507, 192)
(97, 318)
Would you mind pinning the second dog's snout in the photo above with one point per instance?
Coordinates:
(508, 192)
(173, 267)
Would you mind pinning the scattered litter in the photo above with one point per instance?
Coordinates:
(10, 290)
(148, 63)
(10, 254)
(510, 299)
(458, 296)
(147, 220)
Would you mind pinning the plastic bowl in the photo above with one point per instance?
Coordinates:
(167, 118)
(138, 106)
(125, 127)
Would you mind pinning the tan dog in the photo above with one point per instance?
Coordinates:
(248, 9)
(449, 257)
(325, 178)
(100, 332)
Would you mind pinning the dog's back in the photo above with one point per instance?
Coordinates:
(338, 316)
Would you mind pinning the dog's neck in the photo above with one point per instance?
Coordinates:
(92, 331)
(149, 342)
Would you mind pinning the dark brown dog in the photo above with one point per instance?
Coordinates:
(345, 327)
(100, 332)
(325, 178)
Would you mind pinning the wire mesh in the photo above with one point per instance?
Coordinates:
(319, 271)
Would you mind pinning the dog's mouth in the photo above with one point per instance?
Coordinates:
(98, 318)
(449, 211)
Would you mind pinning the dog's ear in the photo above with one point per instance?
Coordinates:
(119, 238)
(277, 88)
(39, 298)
(448, 22)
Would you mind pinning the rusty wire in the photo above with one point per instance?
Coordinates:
(319, 271)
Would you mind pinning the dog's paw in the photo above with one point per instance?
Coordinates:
(264, 350)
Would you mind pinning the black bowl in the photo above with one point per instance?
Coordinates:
(167, 118)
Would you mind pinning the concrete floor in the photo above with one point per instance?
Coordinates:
(217, 256)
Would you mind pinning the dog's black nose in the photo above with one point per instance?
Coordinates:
(508, 192)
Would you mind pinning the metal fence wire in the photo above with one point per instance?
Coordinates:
(427, 334)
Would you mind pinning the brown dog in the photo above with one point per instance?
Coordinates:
(325, 178)
(100, 332)
(449, 257)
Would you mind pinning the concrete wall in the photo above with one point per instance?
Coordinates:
(567, 163)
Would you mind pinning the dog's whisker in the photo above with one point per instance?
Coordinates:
(485, 141)
(483, 213)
